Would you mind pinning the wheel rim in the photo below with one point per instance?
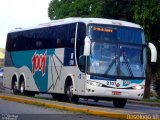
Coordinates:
(14, 87)
(70, 93)
(22, 87)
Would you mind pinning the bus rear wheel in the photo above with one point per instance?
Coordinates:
(22, 87)
(119, 103)
(14, 87)
(95, 100)
(59, 97)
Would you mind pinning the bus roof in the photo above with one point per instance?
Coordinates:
(84, 20)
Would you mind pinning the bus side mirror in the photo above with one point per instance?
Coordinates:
(153, 52)
(87, 45)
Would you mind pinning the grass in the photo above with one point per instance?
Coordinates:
(151, 100)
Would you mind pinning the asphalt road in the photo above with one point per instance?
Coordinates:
(18, 111)
(130, 107)
(133, 107)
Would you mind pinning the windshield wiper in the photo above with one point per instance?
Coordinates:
(110, 66)
(112, 63)
(127, 64)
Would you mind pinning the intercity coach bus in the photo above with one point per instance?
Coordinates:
(72, 58)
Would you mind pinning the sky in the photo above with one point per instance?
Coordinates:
(21, 13)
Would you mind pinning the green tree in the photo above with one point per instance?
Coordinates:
(147, 14)
(118, 9)
(74, 8)
(112, 9)
(58, 9)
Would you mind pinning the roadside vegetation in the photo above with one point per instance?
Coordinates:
(152, 100)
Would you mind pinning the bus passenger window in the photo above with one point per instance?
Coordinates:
(59, 43)
(39, 44)
(72, 40)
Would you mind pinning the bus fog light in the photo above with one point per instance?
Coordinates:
(138, 87)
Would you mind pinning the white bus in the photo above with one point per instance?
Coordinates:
(74, 58)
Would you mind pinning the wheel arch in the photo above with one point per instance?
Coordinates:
(22, 78)
(69, 79)
(14, 78)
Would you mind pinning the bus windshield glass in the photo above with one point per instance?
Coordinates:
(116, 58)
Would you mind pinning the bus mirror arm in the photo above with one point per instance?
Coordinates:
(87, 44)
(153, 52)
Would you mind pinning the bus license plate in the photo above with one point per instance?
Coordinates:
(116, 93)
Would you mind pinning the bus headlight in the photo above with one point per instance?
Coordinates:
(138, 87)
(93, 83)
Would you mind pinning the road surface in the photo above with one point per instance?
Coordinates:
(130, 108)
(133, 107)
(18, 111)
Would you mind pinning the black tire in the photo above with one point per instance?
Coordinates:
(59, 97)
(119, 103)
(95, 100)
(14, 87)
(30, 94)
(69, 94)
(54, 96)
(22, 87)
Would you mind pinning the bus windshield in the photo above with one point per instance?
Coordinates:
(116, 58)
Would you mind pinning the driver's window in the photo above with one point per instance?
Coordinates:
(82, 63)
(81, 33)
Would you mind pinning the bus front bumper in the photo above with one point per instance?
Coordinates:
(113, 93)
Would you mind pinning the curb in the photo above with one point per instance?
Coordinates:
(144, 103)
(75, 109)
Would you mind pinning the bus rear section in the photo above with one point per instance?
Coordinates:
(36, 59)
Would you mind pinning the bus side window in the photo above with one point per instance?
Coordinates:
(71, 35)
(18, 42)
(29, 38)
(59, 42)
(9, 43)
(58, 36)
(39, 44)
(52, 37)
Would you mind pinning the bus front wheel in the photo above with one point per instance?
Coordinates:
(69, 94)
(119, 103)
